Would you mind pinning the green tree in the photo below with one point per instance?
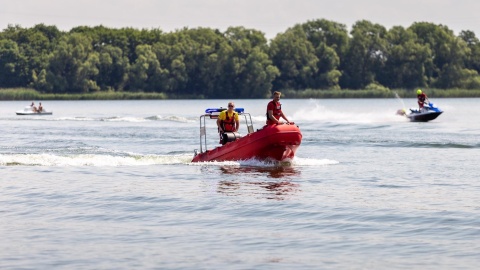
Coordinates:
(247, 71)
(330, 40)
(13, 65)
(406, 62)
(172, 59)
(200, 48)
(473, 56)
(366, 55)
(449, 55)
(35, 44)
(295, 57)
(73, 66)
(146, 74)
(113, 68)
(258, 76)
(453, 73)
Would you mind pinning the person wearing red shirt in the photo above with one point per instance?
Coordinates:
(274, 111)
(422, 99)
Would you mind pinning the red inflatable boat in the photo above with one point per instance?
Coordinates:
(273, 142)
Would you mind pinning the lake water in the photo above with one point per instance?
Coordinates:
(109, 185)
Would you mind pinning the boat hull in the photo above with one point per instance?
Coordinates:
(275, 142)
(33, 113)
(29, 110)
(423, 117)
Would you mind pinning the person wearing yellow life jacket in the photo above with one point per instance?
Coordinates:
(227, 120)
(274, 110)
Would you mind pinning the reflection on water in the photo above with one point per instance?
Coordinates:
(275, 189)
(271, 172)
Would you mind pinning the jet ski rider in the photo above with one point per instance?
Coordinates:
(422, 99)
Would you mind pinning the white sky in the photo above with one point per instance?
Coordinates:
(269, 16)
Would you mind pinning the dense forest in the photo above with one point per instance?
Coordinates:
(207, 63)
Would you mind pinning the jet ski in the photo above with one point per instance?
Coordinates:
(427, 113)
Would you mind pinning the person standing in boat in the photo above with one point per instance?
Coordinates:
(421, 99)
(40, 107)
(274, 111)
(227, 120)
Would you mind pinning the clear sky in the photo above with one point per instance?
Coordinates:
(269, 16)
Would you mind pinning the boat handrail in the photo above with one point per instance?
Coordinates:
(213, 113)
(212, 110)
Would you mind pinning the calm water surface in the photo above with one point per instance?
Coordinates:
(109, 185)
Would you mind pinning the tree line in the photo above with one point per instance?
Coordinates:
(240, 62)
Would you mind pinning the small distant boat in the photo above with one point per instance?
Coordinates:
(272, 142)
(428, 113)
(28, 110)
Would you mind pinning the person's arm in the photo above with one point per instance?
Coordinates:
(271, 117)
(219, 124)
(237, 125)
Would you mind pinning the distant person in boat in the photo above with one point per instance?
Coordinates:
(274, 111)
(40, 107)
(227, 120)
(34, 108)
(422, 99)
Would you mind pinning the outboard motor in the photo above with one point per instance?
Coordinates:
(230, 137)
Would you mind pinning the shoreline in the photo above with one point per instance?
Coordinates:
(18, 94)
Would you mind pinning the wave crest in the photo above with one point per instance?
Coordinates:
(90, 160)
